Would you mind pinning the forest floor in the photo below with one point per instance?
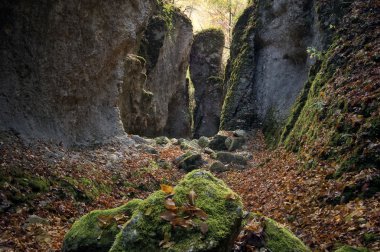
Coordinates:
(45, 188)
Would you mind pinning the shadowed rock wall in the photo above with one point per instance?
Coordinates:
(269, 62)
(165, 108)
(61, 64)
(205, 71)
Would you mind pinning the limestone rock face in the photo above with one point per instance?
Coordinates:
(269, 63)
(61, 64)
(166, 48)
(205, 70)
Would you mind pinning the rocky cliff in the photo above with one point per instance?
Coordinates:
(62, 62)
(325, 53)
(163, 106)
(336, 118)
(269, 63)
(206, 76)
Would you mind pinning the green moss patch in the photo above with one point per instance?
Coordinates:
(97, 230)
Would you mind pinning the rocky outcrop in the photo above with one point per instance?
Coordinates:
(61, 65)
(269, 63)
(205, 71)
(163, 98)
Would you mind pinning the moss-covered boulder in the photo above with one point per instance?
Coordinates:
(97, 230)
(215, 231)
(261, 232)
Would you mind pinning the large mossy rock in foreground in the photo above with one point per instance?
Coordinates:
(158, 223)
(96, 231)
(147, 230)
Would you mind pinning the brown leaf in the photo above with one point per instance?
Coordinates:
(168, 215)
(204, 227)
(167, 189)
(201, 214)
(105, 220)
(170, 204)
(181, 222)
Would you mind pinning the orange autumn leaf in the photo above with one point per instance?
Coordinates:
(167, 189)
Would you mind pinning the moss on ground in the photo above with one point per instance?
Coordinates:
(97, 230)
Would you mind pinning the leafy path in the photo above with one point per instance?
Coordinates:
(105, 177)
(280, 188)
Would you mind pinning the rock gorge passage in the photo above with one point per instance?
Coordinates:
(102, 102)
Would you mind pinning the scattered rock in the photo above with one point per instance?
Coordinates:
(218, 167)
(190, 162)
(146, 229)
(231, 158)
(174, 141)
(203, 142)
(190, 145)
(148, 149)
(162, 140)
(218, 143)
(97, 230)
(209, 151)
(234, 143)
(240, 133)
(138, 139)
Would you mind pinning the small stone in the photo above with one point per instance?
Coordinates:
(148, 149)
(218, 167)
(203, 142)
(218, 143)
(191, 162)
(234, 143)
(138, 139)
(209, 151)
(162, 140)
(240, 133)
(230, 158)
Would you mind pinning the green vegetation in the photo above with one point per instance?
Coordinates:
(96, 231)
(147, 229)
